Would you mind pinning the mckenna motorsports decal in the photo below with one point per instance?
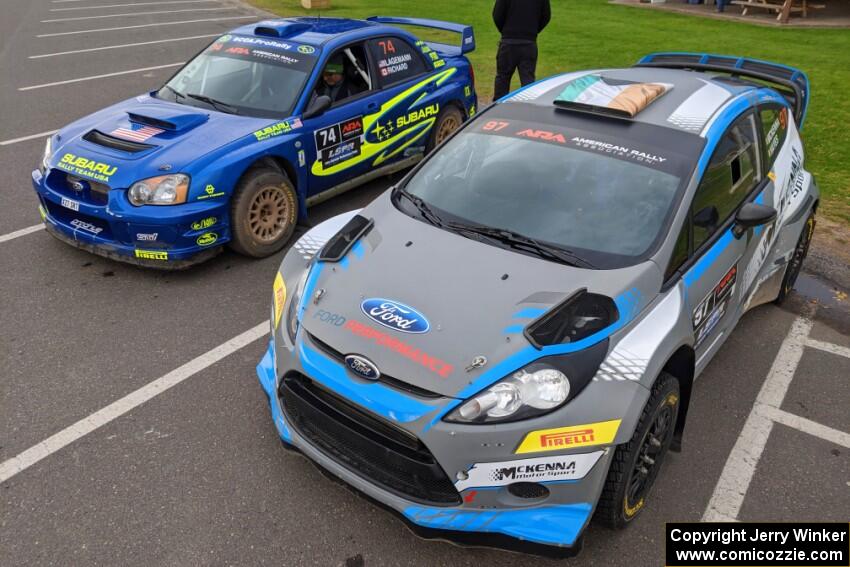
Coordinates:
(210, 193)
(152, 254)
(601, 433)
(543, 469)
(206, 239)
(397, 125)
(274, 130)
(204, 223)
(279, 295)
(87, 167)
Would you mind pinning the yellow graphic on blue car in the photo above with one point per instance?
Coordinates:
(385, 133)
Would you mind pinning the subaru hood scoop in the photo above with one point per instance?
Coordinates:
(421, 303)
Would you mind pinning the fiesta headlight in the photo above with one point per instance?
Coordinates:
(291, 319)
(161, 190)
(48, 154)
(531, 391)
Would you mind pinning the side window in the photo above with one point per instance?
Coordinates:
(345, 75)
(732, 173)
(774, 124)
(395, 60)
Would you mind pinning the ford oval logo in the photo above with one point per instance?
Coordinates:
(395, 315)
(362, 366)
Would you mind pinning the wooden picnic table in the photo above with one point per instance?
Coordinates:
(784, 8)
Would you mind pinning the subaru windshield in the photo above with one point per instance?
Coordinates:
(245, 75)
(586, 191)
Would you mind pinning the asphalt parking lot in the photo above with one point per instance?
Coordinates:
(132, 427)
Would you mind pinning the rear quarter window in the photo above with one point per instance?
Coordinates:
(395, 60)
(774, 122)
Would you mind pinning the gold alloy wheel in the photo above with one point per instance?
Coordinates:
(449, 124)
(268, 214)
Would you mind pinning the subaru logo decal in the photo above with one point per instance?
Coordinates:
(76, 185)
(395, 315)
(362, 366)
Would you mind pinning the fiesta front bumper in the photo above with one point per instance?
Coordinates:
(486, 516)
(112, 228)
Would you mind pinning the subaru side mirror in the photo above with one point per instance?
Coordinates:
(318, 107)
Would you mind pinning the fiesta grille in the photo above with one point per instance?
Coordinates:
(387, 380)
(365, 444)
(114, 143)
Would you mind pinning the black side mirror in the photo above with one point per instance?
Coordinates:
(752, 215)
(317, 107)
(707, 218)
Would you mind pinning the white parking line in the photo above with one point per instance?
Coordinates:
(734, 481)
(829, 347)
(90, 49)
(813, 428)
(133, 4)
(56, 442)
(93, 77)
(19, 233)
(26, 138)
(57, 34)
(125, 15)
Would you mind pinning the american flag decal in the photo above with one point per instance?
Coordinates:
(136, 132)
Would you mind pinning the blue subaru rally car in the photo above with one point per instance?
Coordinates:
(267, 120)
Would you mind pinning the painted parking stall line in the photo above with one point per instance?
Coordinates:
(105, 75)
(733, 484)
(40, 135)
(83, 427)
(101, 30)
(132, 4)
(123, 45)
(20, 233)
(132, 14)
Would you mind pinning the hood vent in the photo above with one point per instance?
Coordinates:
(150, 121)
(107, 141)
(579, 316)
(339, 244)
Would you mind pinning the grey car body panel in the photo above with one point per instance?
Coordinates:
(459, 285)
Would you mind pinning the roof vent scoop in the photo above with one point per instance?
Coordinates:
(281, 28)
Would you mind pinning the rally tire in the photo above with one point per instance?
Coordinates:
(629, 481)
(796, 262)
(264, 212)
(448, 121)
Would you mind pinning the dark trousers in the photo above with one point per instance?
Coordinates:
(512, 57)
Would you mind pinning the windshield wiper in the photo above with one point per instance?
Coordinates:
(217, 104)
(519, 241)
(177, 94)
(423, 208)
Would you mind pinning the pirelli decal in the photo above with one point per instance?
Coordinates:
(561, 438)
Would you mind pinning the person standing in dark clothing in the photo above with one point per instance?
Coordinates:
(519, 22)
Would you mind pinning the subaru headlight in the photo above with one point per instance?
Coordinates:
(48, 154)
(530, 391)
(162, 190)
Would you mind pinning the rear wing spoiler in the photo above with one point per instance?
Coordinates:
(791, 83)
(467, 37)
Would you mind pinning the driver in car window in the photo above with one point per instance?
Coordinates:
(334, 83)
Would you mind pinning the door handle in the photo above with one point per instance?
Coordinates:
(372, 106)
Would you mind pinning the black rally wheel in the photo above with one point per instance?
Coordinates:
(635, 465)
(264, 212)
(449, 120)
(796, 262)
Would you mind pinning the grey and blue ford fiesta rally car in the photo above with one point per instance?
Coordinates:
(505, 343)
